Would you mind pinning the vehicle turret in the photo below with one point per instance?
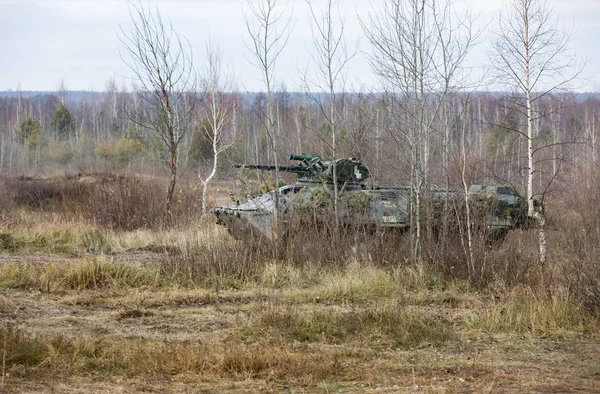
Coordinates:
(349, 172)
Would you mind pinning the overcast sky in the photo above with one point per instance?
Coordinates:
(45, 41)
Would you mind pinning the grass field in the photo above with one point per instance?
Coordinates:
(86, 307)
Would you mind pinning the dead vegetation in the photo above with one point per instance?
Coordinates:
(89, 306)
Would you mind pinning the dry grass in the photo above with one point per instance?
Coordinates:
(389, 324)
(6, 305)
(139, 357)
(57, 239)
(310, 331)
(526, 311)
(89, 273)
(150, 305)
(138, 329)
(116, 202)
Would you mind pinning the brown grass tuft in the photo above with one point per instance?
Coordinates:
(90, 273)
(390, 324)
(527, 311)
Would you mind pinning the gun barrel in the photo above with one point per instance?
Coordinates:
(254, 167)
(295, 156)
(293, 169)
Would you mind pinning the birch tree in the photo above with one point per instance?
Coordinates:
(217, 111)
(419, 47)
(268, 28)
(329, 58)
(531, 53)
(161, 62)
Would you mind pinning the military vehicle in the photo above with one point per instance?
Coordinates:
(359, 203)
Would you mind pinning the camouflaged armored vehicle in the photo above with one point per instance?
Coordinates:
(374, 207)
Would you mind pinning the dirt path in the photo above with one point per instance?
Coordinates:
(134, 256)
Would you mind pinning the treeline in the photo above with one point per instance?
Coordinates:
(51, 132)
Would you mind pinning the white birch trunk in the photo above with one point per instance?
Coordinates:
(463, 177)
(538, 216)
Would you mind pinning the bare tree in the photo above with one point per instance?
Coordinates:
(165, 81)
(268, 28)
(217, 111)
(62, 91)
(419, 47)
(329, 60)
(463, 177)
(532, 54)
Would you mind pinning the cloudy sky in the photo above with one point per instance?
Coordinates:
(45, 41)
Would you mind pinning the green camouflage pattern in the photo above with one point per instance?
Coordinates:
(498, 208)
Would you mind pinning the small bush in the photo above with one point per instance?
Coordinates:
(127, 204)
(60, 153)
(92, 240)
(32, 193)
(575, 248)
(110, 201)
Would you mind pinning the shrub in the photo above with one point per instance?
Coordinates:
(60, 152)
(114, 202)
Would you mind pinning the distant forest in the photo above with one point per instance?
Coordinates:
(45, 133)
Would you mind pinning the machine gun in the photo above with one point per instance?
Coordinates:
(312, 169)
